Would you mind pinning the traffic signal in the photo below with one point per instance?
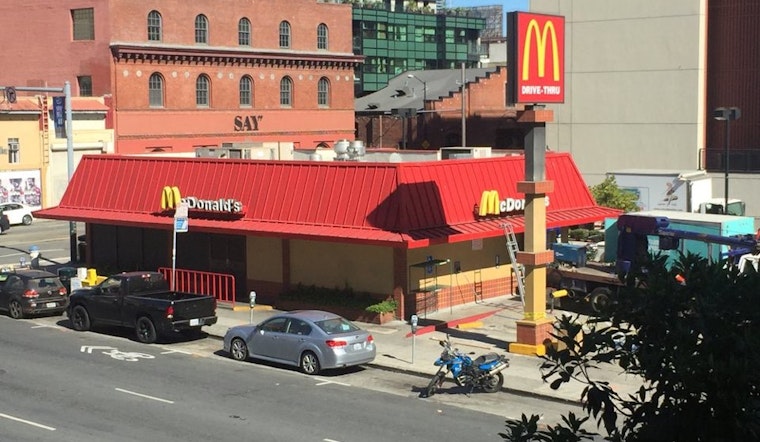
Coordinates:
(10, 94)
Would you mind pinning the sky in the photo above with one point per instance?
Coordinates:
(509, 5)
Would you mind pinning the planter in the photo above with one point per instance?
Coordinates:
(352, 314)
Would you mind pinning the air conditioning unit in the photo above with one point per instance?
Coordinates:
(454, 153)
(211, 152)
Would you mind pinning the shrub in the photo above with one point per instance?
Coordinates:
(387, 306)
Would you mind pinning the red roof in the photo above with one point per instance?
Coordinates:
(399, 204)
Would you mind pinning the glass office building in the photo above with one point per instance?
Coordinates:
(396, 42)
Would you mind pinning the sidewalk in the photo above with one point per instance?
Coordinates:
(479, 328)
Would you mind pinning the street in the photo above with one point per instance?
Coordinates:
(102, 385)
(52, 238)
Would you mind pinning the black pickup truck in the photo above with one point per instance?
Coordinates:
(142, 301)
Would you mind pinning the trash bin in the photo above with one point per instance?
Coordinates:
(65, 274)
(82, 249)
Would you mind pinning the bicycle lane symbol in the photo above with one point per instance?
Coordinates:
(128, 356)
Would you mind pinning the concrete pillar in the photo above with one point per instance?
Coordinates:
(533, 331)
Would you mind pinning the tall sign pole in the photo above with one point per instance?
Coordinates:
(181, 224)
(536, 49)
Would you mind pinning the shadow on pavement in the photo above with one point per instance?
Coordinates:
(129, 333)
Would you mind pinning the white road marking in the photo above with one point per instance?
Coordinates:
(144, 396)
(176, 351)
(327, 381)
(45, 326)
(24, 421)
(330, 440)
(90, 348)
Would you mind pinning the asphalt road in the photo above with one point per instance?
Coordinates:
(62, 385)
(52, 238)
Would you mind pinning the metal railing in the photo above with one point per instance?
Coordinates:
(220, 285)
(739, 160)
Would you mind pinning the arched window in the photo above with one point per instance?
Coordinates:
(323, 92)
(284, 34)
(244, 32)
(154, 26)
(246, 91)
(156, 90)
(202, 91)
(322, 36)
(201, 29)
(286, 92)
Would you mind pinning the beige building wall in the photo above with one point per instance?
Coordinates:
(635, 80)
(264, 256)
(363, 268)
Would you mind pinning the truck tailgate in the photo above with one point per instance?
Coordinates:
(194, 307)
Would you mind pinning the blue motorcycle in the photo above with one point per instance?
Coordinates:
(484, 372)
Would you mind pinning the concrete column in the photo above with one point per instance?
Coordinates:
(533, 331)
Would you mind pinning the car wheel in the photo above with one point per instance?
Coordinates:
(80, 319)
(493, 383)
(599, 299)
(146, 331)
(14, 310)
(26, 220)
(238, 350)
(309, 363)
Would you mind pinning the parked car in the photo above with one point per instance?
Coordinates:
(5, 223)
(310, 339)
(143, 302)
(26, 292)
(18, 213)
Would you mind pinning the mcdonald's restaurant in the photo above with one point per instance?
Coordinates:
(431, 233)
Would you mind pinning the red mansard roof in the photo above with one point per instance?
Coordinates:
(397, 204)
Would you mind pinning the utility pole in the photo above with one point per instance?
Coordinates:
(66, 90)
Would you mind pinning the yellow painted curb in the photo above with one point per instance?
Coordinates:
(245, 308)
(466, 325)
(527, 349)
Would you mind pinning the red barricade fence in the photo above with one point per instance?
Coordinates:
(220, 285)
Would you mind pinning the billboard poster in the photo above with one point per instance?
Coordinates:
(536, 58)
(21, 186)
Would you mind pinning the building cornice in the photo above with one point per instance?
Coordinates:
(234, 56)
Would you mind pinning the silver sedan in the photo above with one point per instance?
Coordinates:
(310, 339)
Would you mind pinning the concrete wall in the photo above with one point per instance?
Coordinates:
(635, 84)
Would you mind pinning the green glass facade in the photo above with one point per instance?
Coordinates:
(395, 42)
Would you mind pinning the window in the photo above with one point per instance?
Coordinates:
(246, 91)
(83, 22)
(284, 34)
(154, 26)
(14, 153)
(201, 29)
(286, 92)
(322, 36)
(323, 92)
(244, 32)
(202, 91)
(85, 85)
(156, 90)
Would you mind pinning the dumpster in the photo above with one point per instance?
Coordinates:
(65, 274)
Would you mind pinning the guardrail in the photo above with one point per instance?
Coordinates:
(220, 285)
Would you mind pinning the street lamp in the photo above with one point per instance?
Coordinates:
(727, 114)
(424, 100)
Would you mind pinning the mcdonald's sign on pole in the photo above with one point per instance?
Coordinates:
(535, 58)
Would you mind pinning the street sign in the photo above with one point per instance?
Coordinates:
(181, 211)
(181, 224)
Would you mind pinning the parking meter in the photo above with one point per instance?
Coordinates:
(252, 299)
(414, 320)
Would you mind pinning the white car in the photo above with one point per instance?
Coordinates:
(17, 213)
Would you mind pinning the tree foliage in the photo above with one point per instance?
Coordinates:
(696, 346)
(608, 194)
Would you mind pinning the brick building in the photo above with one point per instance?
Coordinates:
(183, 76)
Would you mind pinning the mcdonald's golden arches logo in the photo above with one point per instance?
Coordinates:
(492, 205)
(170, 198)
(536, 58)
(489, 203)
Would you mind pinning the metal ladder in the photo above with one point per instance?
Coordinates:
(478, 286)
(517, 268)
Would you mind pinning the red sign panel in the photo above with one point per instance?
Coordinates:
(536, 64)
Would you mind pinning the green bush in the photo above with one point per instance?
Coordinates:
(387, 306)
(344, 297)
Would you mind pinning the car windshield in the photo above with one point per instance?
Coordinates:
(45, 283)
(336, 326)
